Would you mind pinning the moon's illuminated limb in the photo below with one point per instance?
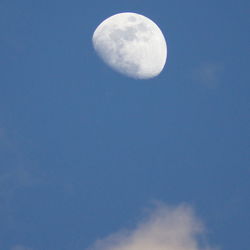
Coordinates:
(131, 44)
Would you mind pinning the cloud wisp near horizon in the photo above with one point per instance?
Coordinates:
(19, 247)
(165, 228)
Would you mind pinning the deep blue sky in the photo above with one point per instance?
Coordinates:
(83, 149)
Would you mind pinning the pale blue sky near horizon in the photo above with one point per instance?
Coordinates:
(84, 150)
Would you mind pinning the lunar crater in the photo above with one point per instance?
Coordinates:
(128, 34)
(132, 18)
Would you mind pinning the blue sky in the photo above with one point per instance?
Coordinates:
(85, 151)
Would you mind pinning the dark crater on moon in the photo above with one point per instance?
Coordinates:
(132, 18)
(129, 33)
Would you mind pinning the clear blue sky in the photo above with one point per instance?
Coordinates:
(83, 149)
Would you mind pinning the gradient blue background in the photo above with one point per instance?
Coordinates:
(83, 150)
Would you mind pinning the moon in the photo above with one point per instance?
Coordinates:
(131, 44)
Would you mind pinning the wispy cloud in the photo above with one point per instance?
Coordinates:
(17, 173)
(208, 74)
(12, 180)
(19, 247)
(166, 228)
(16, 170)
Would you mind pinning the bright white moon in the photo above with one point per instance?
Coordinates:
(131, 44)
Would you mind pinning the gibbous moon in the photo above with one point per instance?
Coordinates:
(131, 44)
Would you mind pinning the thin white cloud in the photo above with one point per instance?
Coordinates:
(208, 74)
(166, 228)
(19, 247)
